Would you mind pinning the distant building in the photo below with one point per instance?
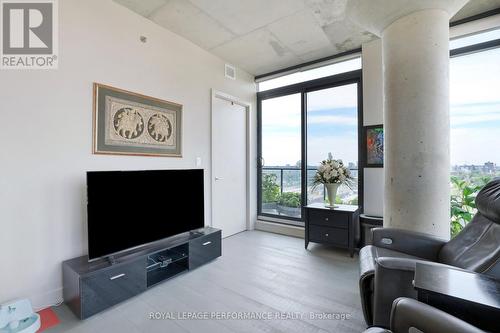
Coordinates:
(486, 168)
(489, 167)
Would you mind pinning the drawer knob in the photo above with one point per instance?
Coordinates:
(326, 218)
(206, 243)
(117, 276)
(326, 235)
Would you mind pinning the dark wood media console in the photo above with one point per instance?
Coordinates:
(92, 287)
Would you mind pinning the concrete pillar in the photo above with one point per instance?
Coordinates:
(416, 121)
(415, 46)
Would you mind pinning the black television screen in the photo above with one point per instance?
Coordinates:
(127, 209)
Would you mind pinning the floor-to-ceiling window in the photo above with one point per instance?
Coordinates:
(332, 128)
(475, 120)
(304, 117)
(281, 153)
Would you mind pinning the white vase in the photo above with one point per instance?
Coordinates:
(331, 192)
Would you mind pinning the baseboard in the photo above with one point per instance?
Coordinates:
(279, 228)
(47, 299)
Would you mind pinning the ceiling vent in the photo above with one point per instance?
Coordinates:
(230, 72)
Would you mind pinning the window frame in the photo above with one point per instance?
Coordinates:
(324, 83)
(303, 88)
(474, 48)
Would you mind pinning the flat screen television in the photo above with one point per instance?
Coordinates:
(129, 209)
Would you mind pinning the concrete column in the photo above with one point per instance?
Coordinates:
(415, 47)
(416, 121)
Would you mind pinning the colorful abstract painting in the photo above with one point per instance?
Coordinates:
(374, 146)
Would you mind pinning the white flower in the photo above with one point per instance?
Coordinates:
(332, 171)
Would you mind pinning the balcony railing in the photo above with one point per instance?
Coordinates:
(280, 173)
(289, 180)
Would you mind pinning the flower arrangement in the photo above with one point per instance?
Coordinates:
(333, 171)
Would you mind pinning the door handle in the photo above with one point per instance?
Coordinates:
(219, 178)
(206, 243)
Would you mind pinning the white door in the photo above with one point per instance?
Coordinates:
(229, 166)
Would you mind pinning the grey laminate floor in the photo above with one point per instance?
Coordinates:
(258, 274)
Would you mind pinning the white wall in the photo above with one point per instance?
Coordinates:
(373, 114)
(47, 125)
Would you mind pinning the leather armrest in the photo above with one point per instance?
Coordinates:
(397, 265)
(407, 313)
(410, 242)
(406, 264)
(394, 279)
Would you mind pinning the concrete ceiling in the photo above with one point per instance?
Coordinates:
(261, 36)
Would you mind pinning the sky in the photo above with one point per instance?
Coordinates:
(332, 126)
(332, 115)
(475, 108)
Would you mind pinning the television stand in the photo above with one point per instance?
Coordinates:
(111, 260)
(167, 263)
(92, 287)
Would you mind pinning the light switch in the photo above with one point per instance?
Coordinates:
(198, 161)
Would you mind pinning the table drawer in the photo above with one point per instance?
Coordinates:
(328, 218)
(336, 236)
(204, 249)
(112, 286)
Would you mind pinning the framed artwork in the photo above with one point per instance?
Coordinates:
(374, 139)
(126, 123)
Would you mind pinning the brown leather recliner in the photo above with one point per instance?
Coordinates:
(387, 267)
(407, 313)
